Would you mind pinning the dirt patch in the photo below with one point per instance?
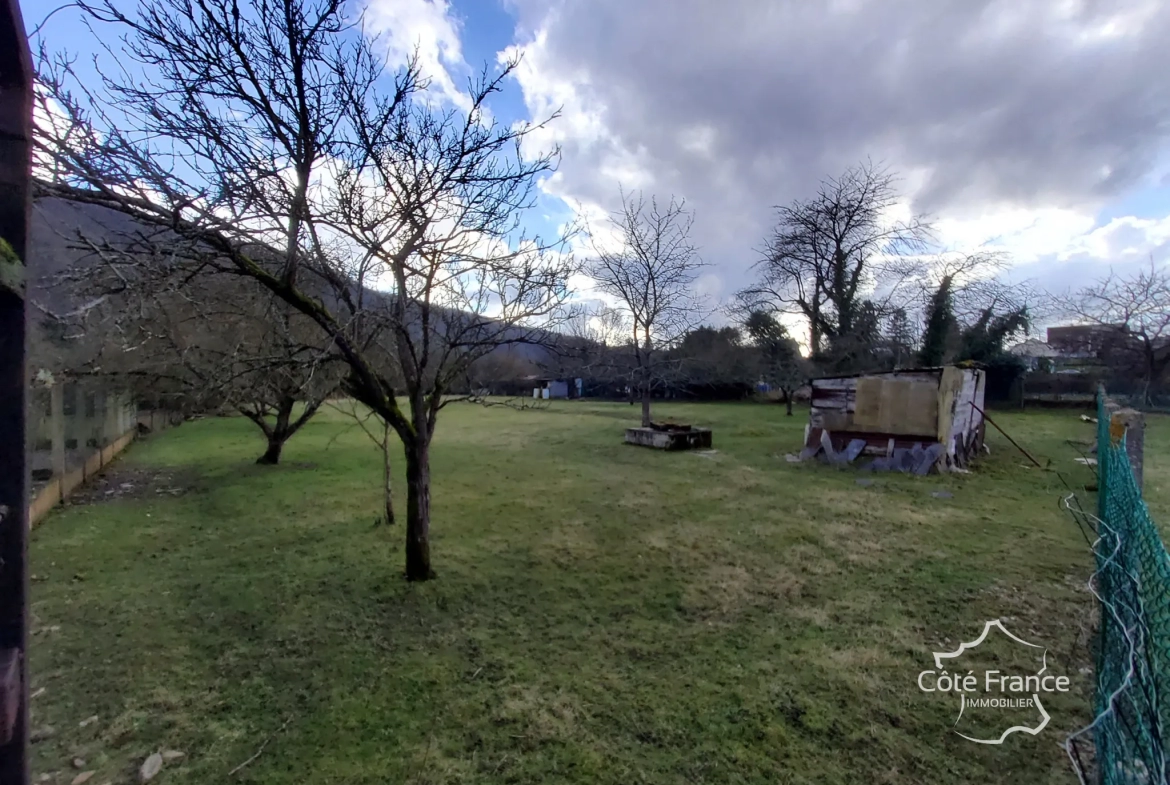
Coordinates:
(119, 482)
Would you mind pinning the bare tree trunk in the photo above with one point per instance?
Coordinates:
(788, 402)
(418, 510)
(646, 404)
(814, 332)
(386, 477)
(271, 456)
(284, 428)
(278, 434)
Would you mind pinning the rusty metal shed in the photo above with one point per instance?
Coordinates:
(884, 413)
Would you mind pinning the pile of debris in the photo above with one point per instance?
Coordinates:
(916, 459)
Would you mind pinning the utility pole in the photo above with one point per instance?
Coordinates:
(15, 183)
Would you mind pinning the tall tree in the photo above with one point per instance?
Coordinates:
(986, 338)
(1136, 307)
(940, 333)
(713, 362)
(900, 337)
(830, 254)
(226, 143)
(780, 362)
(651, 274)
(859, 349)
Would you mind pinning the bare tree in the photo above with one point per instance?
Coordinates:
(1136, 308)
(596, 345)
(225, 149)
(831, 253)
(429, 204)
(148, 319)
(651, 275)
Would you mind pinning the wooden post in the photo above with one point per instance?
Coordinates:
(111, 419)
(15, 186)
(57, 428)
(1132, 424)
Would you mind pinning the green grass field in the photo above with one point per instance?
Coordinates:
(603, 613)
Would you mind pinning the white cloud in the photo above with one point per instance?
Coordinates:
(1012, 123)
(1122, 240)
(428, 27)
(1023, 234)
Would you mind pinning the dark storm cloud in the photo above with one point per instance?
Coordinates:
(1027, 103)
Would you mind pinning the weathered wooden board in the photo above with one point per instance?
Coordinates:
(867, 409)
(896, 410)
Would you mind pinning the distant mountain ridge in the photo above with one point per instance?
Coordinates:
(57, 222)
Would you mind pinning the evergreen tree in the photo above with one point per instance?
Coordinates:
(899, 338)
(780, 362)
(941, 326)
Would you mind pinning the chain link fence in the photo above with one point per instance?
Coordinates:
(1128, 740)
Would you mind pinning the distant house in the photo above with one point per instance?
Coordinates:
(1083, 341)
(1069, 349)
(543, 387)
(1034, 352)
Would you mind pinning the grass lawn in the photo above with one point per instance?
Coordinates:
(603, 613)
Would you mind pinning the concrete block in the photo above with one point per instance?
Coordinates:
(693, 439)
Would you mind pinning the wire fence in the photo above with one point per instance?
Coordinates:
(1128, 741)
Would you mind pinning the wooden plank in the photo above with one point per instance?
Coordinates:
(894, 401)
(922, 410)
(960, 419)
(834, 420)
(877, 443)
(46, 499)
(71, 480)
(839, 383)
(949, 389)
(868, 406)
(93, 465)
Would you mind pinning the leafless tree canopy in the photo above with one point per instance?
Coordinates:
(651, 276)
(197, 341)
(1137, 307)
(272, 124)
(830, 253)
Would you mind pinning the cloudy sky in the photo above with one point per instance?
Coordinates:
(1037, 126)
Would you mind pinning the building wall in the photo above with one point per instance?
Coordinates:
(84, 417)
(1081, 340)
(890, 403)
(899, 409)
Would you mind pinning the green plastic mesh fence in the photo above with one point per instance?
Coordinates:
(1129, 739)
